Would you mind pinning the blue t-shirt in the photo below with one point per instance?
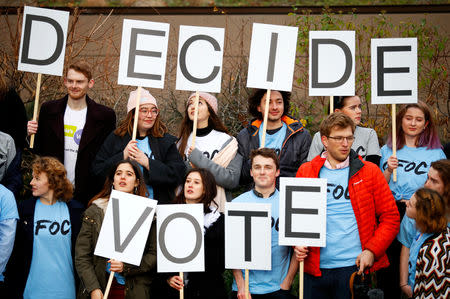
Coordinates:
(414, 163)
(343, 243)
(144, 146)
(408, 231)
(8, 220)
(51, 273)
(275, 140)
(268, 281)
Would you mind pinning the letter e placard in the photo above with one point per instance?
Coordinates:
(272, 57)
(248, 236)
(303, 212)
(180, 238)
(394, 70)
(126, 227)
(143, 53)
(331, 63)
(43, 42)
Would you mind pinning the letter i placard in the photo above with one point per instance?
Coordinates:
(42, 46)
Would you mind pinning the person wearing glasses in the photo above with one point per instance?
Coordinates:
(362, 219)
(154, 149)
(366, 141)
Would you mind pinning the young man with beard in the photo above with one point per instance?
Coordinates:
(286, 135)
(276, 283)
(362, 218)
(73, 128)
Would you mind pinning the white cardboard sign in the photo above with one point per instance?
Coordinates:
(125, 227)
(143, 53)
(394, 70)
(248, 236)
(331, 63)
(43, 41)
(180, 238)
(272, 57)
(303, 212)
(200, 54)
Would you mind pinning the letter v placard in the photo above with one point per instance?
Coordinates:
(126, 227)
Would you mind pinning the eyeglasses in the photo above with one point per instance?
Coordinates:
(340, 139)
(145, 111)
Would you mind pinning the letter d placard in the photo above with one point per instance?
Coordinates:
(43, 42)
(303, 217)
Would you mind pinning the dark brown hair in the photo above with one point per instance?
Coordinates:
(56, 175)
(141, 189)
(209, 189)
(428, 137)
(255, 101)
(266, 153)
(187, 126)
(81, 67)
(430, 211)
(443, 168)
(126, 126)
(336, 119)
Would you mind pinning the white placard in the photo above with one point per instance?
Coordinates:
(248, 236)
(143, 53)
(43, 41)
(272, 57)
(126, 227)
(394, 70)
(180, 238)
(332, 63)
(303, 212)
(200, 54)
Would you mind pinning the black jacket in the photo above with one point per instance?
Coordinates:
(20, 262)
(293, 152)
(100, 121)
(167, 169)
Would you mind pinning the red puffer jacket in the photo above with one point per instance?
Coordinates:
(374, 207)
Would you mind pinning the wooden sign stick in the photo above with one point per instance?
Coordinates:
(136, 112)
(36, 105)
(331, 104)
(247, 289)
(266, 115)
(108, 286)
(194, 128)
(300, 281)
(182, 289)
(394, 138)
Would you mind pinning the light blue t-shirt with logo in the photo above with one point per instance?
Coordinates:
(413, 166)
(144, 146)
(51, 273)
(268, 281)
(8, 221)
(274, 141)
(343, 244)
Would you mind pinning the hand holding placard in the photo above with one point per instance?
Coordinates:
(42, 46)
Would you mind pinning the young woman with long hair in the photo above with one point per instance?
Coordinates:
(438, 179)
(418, 146)
(200, 187)
(42, 262)
(431, 255)
(94, 270)
(154, 149)
(214, 149)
